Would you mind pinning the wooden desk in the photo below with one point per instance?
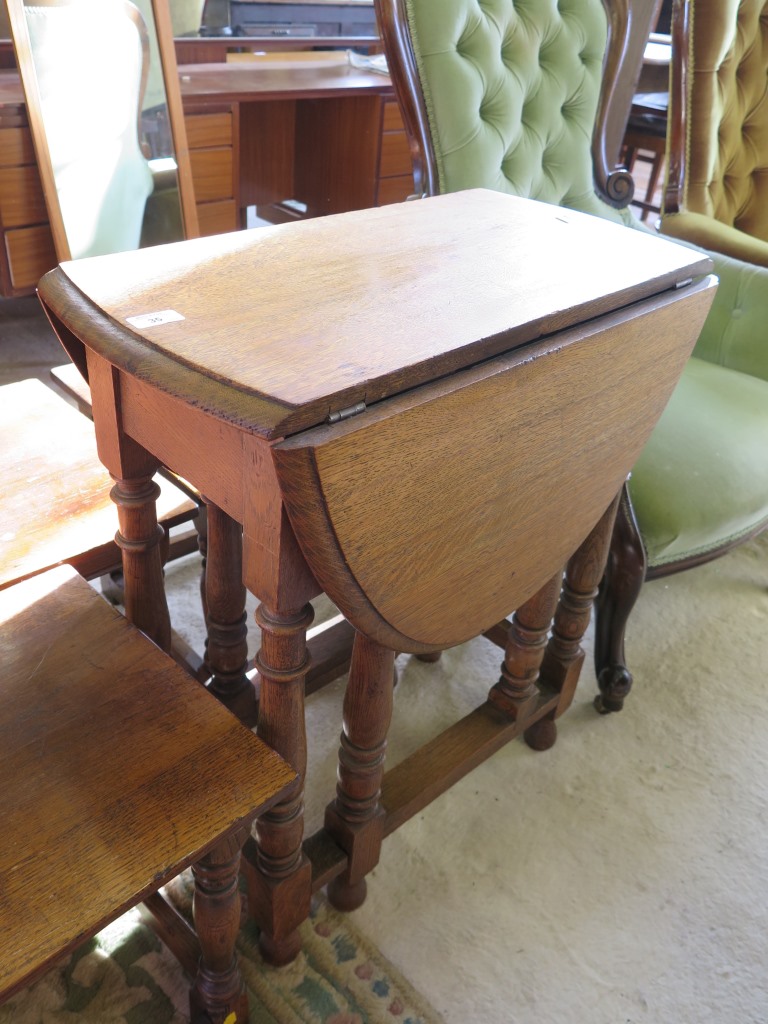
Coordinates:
(331, 138)
(424, 419)
(214, 49)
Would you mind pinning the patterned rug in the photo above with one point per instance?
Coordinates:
(126, 976)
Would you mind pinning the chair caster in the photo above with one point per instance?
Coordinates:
(605, 706)
(615, 684)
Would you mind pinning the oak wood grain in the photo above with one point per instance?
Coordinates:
(117, 772)
(487, 482)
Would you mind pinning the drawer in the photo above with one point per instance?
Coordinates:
(216, 218)
(395, 155)
(392, 119)
(30, 255)
(16, 147)
(395, 190)
(212, 173)
(207, 130)
(21, 197)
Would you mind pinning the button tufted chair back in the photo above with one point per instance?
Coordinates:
(717, 188)
(510, 95)
(720, 113)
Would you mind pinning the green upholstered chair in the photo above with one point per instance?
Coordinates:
(518, 95)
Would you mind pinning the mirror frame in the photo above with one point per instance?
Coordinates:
(170, 76)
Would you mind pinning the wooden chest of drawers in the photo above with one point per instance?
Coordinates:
(27, 249)
(212, 137)
(395, 178)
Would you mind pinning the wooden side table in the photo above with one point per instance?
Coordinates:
(425, 410)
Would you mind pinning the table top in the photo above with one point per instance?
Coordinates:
(277, 327)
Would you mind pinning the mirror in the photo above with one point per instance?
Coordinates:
(105, 113)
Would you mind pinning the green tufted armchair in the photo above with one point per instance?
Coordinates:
(518, 95)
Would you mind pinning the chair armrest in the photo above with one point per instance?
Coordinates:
(715, 236)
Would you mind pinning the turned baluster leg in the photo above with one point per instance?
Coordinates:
(226, 650)
(218, 994)
(517, 692)
(564, 655)
(140, 539)
(139, 536)
(201, 525)
(356, 818)
(280, 875)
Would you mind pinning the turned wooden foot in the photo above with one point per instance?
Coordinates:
(430, 656)
(346, 896)
(279, 874)
(542, 734)
(278, 952)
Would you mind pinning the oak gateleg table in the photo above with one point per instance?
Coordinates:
(426, 411)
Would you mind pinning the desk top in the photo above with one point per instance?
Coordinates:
(244, 81)
(276, 328)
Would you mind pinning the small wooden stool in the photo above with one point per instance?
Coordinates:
(118, 772)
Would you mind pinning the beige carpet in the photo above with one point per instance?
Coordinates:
(621, 876)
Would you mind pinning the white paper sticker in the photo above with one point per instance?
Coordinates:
(165, 316)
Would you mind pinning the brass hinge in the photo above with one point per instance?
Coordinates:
(345, 414)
